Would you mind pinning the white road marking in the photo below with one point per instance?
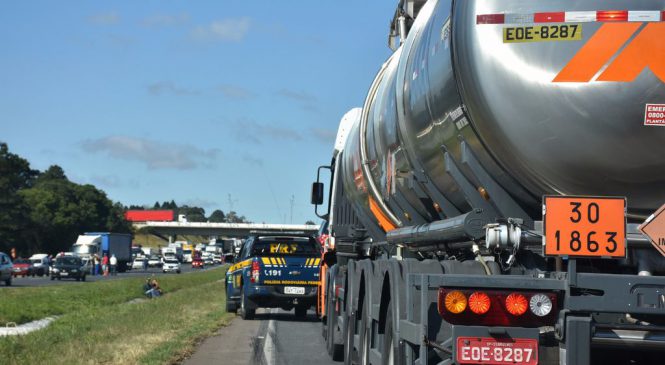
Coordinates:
(269, 343)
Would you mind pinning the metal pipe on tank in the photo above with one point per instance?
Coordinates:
(462, 228)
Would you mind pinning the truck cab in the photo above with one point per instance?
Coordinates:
(274, 272)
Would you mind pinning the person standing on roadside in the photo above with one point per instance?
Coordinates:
(114, 264)
(95, 265)
(105, 265)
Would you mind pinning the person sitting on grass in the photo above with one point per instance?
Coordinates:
(151, 288)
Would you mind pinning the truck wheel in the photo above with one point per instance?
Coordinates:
(349, 332)
(301, 311)
(247, 308)
(389, 355)
(335, 349)
(52, 277)
(8, 282)
(364, 332)
(83, 278)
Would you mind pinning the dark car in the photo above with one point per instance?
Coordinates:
(23, 267)
(68, 267)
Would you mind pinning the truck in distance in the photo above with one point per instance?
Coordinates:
(105, 243)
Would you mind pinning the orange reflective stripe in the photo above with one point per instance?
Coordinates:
(597, 52)
(647, 50)
(384, 222)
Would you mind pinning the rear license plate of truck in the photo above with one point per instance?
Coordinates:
(483, 350)
(294, 290)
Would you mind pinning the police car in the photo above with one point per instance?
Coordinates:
(274, 272)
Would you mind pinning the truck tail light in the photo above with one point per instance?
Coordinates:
(479, 303)
(516, 304)
(256, 271)
(497, 307)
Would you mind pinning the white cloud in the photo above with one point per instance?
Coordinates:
(168, 87)
(235, 92)
(227, 30)
(324, 135)
(108, 18)
(165, 20)
(155, 155)
(248, 130)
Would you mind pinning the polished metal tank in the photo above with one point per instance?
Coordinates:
(459, 78)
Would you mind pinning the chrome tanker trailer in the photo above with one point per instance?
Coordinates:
(488, 200)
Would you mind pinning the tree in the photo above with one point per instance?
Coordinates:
(15, 174)
(193, 214)
(217, 217)
(311, 223)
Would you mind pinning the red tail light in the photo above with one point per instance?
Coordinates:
(612, 16)
(256, 271)
(499, 307)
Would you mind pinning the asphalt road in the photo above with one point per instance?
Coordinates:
(274, 337)
(46, 280)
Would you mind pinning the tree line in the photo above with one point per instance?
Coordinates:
(43, 211)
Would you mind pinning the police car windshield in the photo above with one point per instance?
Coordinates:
(280, 246)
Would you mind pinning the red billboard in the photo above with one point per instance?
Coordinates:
(149, 215)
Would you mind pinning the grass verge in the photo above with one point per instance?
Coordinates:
(159, 331)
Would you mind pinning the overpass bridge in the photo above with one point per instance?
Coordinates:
(173, 229)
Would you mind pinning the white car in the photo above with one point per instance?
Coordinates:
(170, 265)
(137, 264)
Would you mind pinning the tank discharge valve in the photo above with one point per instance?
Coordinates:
(503, 235)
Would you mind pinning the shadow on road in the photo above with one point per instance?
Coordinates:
(286, 317)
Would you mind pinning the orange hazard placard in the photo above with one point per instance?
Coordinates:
(583, 226)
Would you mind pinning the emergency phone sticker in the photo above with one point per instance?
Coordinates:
(654, 115)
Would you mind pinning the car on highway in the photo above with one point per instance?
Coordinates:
(207, 260)
(171, 264)
(22, 267)
(276, 271)
(69, 267)
(197, 263)
(216, 258)
(6, 268)
(154, 261)
(138, 263)
(40, 263)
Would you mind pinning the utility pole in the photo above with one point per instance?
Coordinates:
(293, 198)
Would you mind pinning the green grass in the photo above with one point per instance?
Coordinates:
(108, 330)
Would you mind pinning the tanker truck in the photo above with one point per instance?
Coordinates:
(486, 204)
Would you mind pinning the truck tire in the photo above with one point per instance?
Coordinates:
(364, 332)
(301, 311)
(8, 282)
(83, 278)
(52, 277)
(335, 350)
(247, 308)
(389, 354)
(349, 329)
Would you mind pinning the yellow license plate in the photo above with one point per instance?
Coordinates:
(542, 33)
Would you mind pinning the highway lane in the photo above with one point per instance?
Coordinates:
(274, 337)
(46, 280)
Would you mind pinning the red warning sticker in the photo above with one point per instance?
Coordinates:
(654, 114)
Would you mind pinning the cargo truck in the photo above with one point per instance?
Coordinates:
(105, 243)
(486, 204)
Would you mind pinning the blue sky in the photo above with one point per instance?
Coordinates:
(188, 100)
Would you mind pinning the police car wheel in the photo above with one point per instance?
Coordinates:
(247, 309)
